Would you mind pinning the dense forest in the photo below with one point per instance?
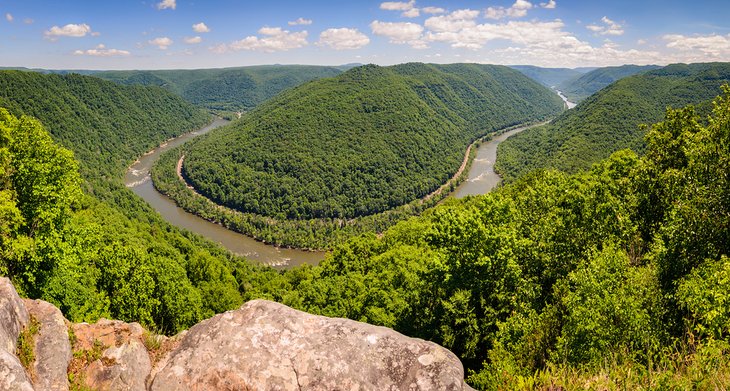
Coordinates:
(228, 89)
(100, 252)
(550, 77)
(615, 277)
(610, 119)
(582, 86)
(367, 141)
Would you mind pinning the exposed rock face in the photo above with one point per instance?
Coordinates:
(261, 346)
(52, 347)
(268, 346)
(13, 316)
(124, 363)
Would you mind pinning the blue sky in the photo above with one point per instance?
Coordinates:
(169, 34)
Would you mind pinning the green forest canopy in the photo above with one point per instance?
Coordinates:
(360, 143)
(616, 276)
(582, 86)
(610, 119)
(225, 89)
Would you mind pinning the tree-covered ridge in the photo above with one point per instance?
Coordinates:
(582, 86)
(105, 253)
(105, 124)
(613, 277)
(610, 119)
(225, 89)
(549, 77)
(360, 143)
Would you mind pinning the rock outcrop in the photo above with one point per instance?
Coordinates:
(265, 345)
(52, 347)
(114, 357)
(13, 318)
(260, 346)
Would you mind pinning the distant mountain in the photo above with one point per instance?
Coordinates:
(105, 124)
(225, 89)
(609, 120)
(549, 77)
(580, 87)
(363, 142)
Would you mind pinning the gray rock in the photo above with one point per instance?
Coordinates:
(124, 363)
(268, 346)
(120, 368)
(52, 348)
(13, 316)
(12, 374)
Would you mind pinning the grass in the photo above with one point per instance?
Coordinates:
(26, 345)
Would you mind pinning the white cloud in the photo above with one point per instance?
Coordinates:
(700, 47)
(397, 5)
(549, 5)
(409, 8)
(166, 4)
(400, 33)
(300, 22)
(433, 10)
(193, 40)
(343, 39)
(28, 21)
(102, 51)
(273, 39)
(9, 17)
(69, 30)
(161, 42)
(517, 10)
(411, 13)
(201, 28)
(609, 27)
(641, 42)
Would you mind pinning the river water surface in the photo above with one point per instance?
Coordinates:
(138, 179)
(481, 180)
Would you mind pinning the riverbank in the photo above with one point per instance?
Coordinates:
(306, 235)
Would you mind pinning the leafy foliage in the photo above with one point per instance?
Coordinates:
(610, 119)
(361, 143)
(104, 253)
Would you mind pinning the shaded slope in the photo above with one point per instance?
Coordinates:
(363, 142)
(549, 77)
(578, 88)
(233, 89)
(609, 120)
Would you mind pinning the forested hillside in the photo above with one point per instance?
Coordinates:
(582, 86)
(610, 119)
(615, 277)
(359, 144)
(612, 278)
(105, 253)
(549, 77)
(226, 89)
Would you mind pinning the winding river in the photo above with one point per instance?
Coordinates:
(138, 179)
(481, 180)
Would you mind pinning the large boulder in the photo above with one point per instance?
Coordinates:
(13, 316)
(52, 347)
(114, 356)
(268, 346)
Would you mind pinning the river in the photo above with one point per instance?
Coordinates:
(481, 180)
(138, 180)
